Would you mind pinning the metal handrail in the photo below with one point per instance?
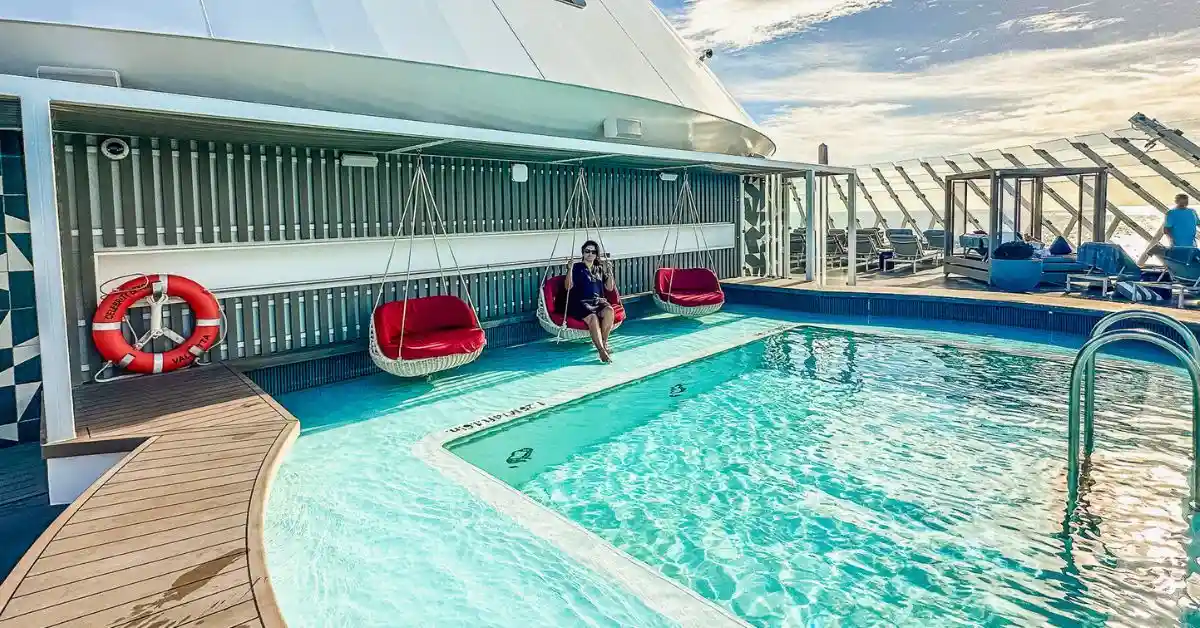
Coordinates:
(1085, 362)
(1089, 377)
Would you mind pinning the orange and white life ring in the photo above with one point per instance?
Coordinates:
(111, 342)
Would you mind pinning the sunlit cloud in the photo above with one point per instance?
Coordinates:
(739, 24)
(1058, 22)
(991, 101)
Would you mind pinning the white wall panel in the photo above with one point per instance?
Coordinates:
(176, 17)
(690, 79)
(316, 264)
(462, 33)
(584, 47)
(279, 22)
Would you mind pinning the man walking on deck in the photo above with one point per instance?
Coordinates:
(1181, 223)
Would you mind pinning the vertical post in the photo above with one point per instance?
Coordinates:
(785, 240)
(851, 233)
(1099, 206)
(58, 407)
(739, 228)
(813, 218)
(1039, 194)
(1080, 207)
(948, 225)
(995, 215)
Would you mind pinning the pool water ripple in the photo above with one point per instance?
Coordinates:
(828, 476)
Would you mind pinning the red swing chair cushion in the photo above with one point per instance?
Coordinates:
(434, 327)
(555, 293)
(688, 287)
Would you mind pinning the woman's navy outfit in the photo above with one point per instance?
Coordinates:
(587, 291)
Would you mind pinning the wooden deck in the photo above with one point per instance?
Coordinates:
(172, 535)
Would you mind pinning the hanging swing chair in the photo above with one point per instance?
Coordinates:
(689, 292)
(552, 298)
(421, 336)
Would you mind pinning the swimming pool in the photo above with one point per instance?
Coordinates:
(823, 473)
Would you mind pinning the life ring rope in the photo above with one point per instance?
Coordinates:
(158, 297)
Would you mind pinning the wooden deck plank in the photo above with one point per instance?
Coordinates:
(113, 566)
(186, 513)
(118, 486)
(231, 617)
(174, 489)
(171, 608)
(189, 435)
(164, 468)
(87, 596)
(202, 451)
(81, 549)
(194, 610)
(239, 409)
(171, 535)
(166, 447)
(143, 528)
(192, 423)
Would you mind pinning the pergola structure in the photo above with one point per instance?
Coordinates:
(1014, 211)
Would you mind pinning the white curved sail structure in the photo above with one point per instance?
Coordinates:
(537, 66)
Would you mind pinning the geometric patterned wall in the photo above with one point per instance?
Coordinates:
(20, 364)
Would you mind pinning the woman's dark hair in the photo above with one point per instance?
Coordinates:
(591, 243)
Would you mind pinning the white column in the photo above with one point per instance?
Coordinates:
(810, 237)
(851, 233)
(58, 409)
(786, 223)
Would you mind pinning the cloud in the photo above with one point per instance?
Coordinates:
(993, 101)
(739, 24)
(1058, 22)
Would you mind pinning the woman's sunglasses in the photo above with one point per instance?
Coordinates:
(590, 251)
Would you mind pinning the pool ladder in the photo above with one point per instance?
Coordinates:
(1083, 376)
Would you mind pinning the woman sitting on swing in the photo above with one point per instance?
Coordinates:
(586, 285)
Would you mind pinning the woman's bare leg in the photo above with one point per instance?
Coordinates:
(594, 328)
(607, 316)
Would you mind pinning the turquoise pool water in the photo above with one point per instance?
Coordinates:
(361, 532)
(833, 477)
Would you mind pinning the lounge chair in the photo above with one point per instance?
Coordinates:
(1107, 264)
(1183, 264)
(866, 250)
(936, 239)
(908, 251)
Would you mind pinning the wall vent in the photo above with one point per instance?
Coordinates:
(91, 76)
(622, 128)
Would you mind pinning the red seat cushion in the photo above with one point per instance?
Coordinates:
(555, 293)
(688, 287)
(433, 327)
(695, 299)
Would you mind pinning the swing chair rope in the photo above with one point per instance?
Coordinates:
(420, 181)
(580, 195)
(575, 208)
(437, 213)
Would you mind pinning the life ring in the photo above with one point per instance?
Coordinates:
(111, 342)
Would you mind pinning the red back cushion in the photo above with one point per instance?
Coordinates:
(425, 314)
(686, 280)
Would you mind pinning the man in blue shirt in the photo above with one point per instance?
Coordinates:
(1181, 223)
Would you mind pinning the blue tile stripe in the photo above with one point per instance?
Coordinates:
(1077, 321)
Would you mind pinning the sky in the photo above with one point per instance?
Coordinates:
(882, 80)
